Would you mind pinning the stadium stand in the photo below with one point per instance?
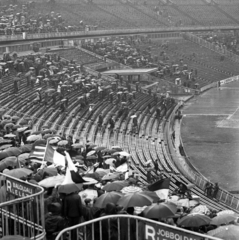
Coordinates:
(66, 128)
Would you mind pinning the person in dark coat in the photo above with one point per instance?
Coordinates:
(215, 190)
(100, 121)
(112, 124)
(54, 222)
(15, 86)
(72, 210)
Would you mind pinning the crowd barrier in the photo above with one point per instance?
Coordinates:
(24, 47)
(128, 227)
(184, 163)
(221, 50)
(22, 212)
(27, 36)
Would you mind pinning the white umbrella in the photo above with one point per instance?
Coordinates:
(110, 161)
(33, 138)
(201, 209)
(90, 153)
(122, 168)
(133, 116)
(89, 181)
(22, 129)
(131, 189)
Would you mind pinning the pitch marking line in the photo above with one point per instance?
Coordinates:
(231, 115)
(206, 114)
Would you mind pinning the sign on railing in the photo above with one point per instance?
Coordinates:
(22, 210)
(155, 231)
(128, 227)
(19, 189)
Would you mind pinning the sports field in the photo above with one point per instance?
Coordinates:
(210, 134)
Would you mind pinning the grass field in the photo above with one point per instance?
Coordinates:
(210, 134)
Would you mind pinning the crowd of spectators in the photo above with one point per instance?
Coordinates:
(223, 41)
(128, 51)
(16, 19)
(101, 167)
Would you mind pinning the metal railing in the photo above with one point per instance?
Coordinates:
(32, 36)
(184, 163)
(221, 50)
(22, 209)
(122, 227)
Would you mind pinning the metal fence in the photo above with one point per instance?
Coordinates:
(21, 208)
(127, 227)
(221, 50)
(184, 162)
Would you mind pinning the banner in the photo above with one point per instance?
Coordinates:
(18, 189)
(160, 232)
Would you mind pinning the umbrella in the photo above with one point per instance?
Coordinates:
(135, 199)
(93, 175)
(9, 125)
(48, 136)
(15, 117)
(200, 209)
(77, 145)
(122, 168)
(4, 122)
(162, 210)
(62, 143)
(19, 172)
(102, 172)
(100, 148)
(115, 186)
(70, 188)
(33, 138)
(8, 162)
(229, 232)
(90, 153)
(109, 197)
(110, 161)
(23, 122)
(133, 116)
(92, 145)
(10, 135)
(5, 141)
(115, 147)
(52, 181)
(226, 212)
(89, 181)
(28, 131)
(26, 148)
(49, 90)
(118, 149)
(223, 219)
(153, 195)
(5, 146)
(131, 189)
(47, 131)
(54, 140)
(22, 157)
(15, 237)
(194, 220)
(13, 151)
(125, 154)
(111, 176)
(22, 129)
